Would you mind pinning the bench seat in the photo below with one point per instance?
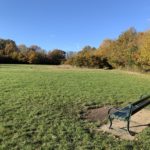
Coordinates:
(122, 114)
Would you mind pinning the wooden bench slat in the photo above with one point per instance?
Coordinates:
(140, 106)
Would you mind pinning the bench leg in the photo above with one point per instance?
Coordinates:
(128, 126)
(110, 120)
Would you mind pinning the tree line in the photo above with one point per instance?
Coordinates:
(11, 53)
(130, 50)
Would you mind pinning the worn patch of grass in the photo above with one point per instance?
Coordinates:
(40, 105)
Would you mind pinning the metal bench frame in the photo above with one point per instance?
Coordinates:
(128, 111)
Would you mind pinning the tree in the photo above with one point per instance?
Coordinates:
(23, 48)
(126, 46)
(32, 57)
(88, 57)
(144, 49)
(7, 46)
(22, 57)
(56, 57)
(70, 54)
(120, 52)
(35, 48)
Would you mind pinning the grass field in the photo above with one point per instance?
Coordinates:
(40, 105)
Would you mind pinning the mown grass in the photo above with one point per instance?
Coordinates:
(40, 106)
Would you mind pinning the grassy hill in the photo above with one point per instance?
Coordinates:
(40, 105)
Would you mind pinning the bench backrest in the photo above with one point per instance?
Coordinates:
(141, 100)
(137, 106)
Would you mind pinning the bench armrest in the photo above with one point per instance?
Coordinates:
(121, 110)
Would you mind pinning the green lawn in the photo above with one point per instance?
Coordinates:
(40, 105)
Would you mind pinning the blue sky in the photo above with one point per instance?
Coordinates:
(70, 24)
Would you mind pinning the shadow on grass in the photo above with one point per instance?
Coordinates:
(132, 133)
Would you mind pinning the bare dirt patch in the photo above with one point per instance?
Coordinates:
(96, 114)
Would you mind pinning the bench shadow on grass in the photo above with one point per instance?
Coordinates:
(134, 133)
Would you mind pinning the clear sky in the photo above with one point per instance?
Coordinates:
(70, 24)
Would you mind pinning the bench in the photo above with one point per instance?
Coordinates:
(126, 112)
